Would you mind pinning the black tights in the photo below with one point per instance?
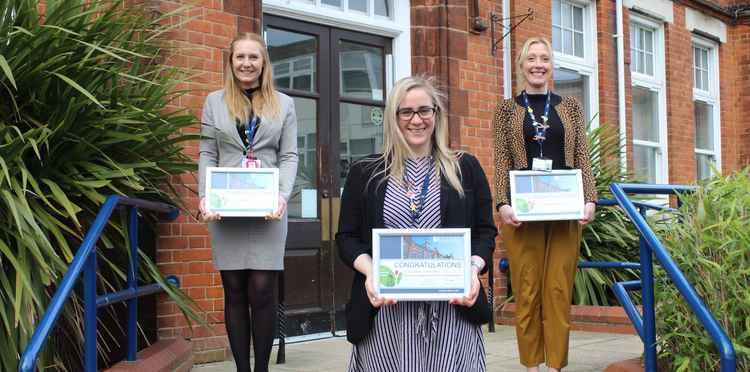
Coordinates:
(255, 289)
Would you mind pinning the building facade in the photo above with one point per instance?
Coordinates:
(671, 78)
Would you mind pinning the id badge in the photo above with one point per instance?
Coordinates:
(250, 163)
(539, 164)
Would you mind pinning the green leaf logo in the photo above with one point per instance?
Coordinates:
(522, 205)
(387, 278)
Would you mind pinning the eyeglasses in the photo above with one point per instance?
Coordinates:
(426, 112)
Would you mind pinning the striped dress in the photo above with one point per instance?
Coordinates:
(418, 336)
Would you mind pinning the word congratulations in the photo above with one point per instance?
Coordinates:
(428, 265)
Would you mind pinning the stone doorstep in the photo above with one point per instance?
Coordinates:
(174, 355)
(608, 319)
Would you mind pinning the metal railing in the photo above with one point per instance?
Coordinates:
(650, 245)
(85, 262)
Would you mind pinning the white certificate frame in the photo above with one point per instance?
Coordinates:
(547, 195)
(242, 192)
(422, 278)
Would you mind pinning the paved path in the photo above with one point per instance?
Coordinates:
(588, 352)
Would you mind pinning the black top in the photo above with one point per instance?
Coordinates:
(362, 205)
(554, 144)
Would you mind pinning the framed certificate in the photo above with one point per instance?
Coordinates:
(421, 264)
(242, 192)
(547, 195)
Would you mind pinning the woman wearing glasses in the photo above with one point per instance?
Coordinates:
(542, 131)
(417, 182)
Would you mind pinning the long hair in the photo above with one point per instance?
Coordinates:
(395, 148)
(264, 102)
(520, 78)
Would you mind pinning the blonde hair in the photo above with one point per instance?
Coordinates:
(264, 102)
(395, 148)
(520, 78)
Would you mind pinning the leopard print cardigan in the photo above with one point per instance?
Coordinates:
(510, 149)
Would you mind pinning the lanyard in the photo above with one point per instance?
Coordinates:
(250, 134)
(415, 210)
(539, 128)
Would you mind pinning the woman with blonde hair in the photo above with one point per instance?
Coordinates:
(417, 182)
(540, 130)
(249, 124)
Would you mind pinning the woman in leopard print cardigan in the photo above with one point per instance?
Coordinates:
(542, 255)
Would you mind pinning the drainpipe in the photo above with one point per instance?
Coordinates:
(621, 85)
(507, 63)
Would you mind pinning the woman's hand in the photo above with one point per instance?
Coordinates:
(279, 211)
(205, 215)
(507, 217)
(372, 295)
(363, 264)
(589, 213)
(471, 298)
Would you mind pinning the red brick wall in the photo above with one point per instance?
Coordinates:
(741, 39)
(607, 60)
(680, 124)
(183, 245)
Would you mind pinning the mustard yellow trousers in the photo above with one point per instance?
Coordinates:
(543, 257)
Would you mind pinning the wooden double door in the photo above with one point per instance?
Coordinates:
(337, 79)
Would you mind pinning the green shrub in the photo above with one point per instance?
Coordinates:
(84, 101)
(709, 239)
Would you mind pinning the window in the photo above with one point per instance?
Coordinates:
(380, 8)
(574, 43)
(648, 101)
(706, 106)
(567, 28)
(641, 50)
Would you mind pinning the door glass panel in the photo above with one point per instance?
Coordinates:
(361, 134)
(304, 200)
(361, 72)
(293, 59)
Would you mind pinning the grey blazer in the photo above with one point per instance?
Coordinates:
(249, 243)
(275, 142)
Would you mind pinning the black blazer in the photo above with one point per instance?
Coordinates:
(362, 210)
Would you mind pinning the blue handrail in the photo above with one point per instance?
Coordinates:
(651, 244)
(85, 261)
(646, 325)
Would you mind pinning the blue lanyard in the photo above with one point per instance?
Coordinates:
(250, 134)
(540, 129)
(415, 210)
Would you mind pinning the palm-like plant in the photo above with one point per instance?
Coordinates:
(611, 237)
(84, 113)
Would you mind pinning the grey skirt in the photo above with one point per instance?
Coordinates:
(248, 243)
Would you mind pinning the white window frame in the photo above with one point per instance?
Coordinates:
(397, 27)
(587, 65)
(710, 96)
(655, 83)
